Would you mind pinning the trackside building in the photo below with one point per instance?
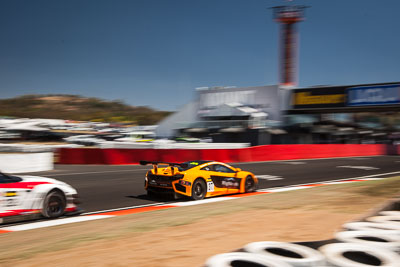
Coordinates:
(272, 115)
(227, 114)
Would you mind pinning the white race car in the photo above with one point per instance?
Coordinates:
(30, 197)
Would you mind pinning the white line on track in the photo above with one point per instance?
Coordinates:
(203, 201)
(375, 175)
(80, 173)
(367, 168)
(369, 177)
(283, 160)
(126, 208)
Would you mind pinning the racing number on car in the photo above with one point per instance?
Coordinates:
(210, 187)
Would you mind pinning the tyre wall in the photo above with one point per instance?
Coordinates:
(250, 154)
(373, 241)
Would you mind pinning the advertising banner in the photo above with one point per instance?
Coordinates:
(263, 98)
(325, 97)
(373, 95)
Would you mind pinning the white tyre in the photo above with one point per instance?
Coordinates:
(385, 219)
(371, 238)
(366, 226)
(295, 255)
(243, 259)
(390, 213)
(358, 255)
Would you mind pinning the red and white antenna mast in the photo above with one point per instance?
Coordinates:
(288, 16)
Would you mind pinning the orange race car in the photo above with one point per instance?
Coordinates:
(198, 179)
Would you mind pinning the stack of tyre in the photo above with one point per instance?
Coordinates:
(372, 242)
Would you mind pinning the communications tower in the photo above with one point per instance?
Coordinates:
(288, 16)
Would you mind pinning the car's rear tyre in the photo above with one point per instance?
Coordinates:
(175, 196)
(199, 189)
(249, 184)
(54, 204)
(151, 194)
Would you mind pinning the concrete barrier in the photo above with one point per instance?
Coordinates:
(26, 162)
(33, 148)
(247, 154)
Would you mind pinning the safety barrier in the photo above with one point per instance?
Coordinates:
(359, 244)
(26, 162)
(14, 148)
(249, 154)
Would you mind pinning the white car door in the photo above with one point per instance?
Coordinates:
(12, 195)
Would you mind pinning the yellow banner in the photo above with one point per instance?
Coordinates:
(305, 98)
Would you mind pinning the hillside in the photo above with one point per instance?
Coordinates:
(74, 107)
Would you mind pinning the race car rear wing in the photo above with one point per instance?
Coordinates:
(170, 164)
(144, 162)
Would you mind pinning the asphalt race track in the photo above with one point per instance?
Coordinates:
(103, 187)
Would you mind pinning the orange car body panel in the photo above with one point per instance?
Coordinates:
(217, 183)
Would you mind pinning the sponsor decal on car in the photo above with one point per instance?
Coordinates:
(11, 194)
(226, 182)
(230, 183)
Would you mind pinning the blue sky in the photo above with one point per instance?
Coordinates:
(156, 52)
